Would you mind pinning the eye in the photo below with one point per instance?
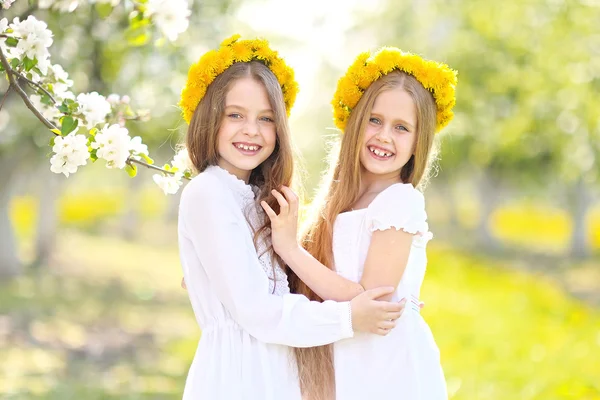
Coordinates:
(374, 120)
(401, 128)
(267, 119)
(235, 115)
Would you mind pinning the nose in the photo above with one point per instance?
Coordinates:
(251, 128)
(383, 135)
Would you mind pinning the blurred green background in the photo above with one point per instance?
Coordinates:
(90, 303)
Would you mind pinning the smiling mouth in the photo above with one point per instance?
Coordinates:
(379, 153)
(247, 148)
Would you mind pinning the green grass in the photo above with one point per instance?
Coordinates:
(108, 320)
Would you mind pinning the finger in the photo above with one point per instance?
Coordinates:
(283, 204)
(389, 325)
(272, 215)
(183, 285)
(378, 292)
(392, 306)
(382, 332)
(291, 197)
(393, 315)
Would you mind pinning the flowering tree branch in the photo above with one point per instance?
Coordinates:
(21, 92)
(84, 125)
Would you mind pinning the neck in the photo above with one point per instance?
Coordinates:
(375, 183)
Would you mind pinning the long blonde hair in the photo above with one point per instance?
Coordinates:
(338, 192)
(201, 139)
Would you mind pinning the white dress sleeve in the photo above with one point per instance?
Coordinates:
(222, 242)
(400, 206)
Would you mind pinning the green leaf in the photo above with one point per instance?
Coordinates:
(68, 125)
(29, 63)
(52, 140)
(93, 155)
(46, 100)
(167, 167)
(11, 42)
(146, 158)
(131, 170)
(56, 131)
(63, 108)
(93, 131)
(14, 63)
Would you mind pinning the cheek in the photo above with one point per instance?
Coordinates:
(270, 136)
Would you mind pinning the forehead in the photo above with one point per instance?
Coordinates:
(396, 103)
(249, 93)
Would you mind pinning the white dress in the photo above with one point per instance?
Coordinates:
(405, 364)
(246, 328)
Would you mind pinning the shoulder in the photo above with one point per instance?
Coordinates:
(399, 195)
(205, 188)
(400, 206)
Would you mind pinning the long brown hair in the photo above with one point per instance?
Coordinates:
(201, 140)
(338, 192)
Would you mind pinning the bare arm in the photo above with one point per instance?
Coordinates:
(386, 259)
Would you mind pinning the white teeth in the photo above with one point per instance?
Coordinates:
(245, 147)
(379, 152)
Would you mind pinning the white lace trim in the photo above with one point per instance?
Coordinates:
(278, 283)
(420, 230)
(243, 190)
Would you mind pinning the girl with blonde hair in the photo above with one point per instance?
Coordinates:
(370, 227)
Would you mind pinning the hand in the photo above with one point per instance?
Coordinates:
(183, 285)
(374, 316)
(284, 227)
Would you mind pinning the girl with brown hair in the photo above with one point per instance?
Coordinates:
(236, 102)
(370, 227)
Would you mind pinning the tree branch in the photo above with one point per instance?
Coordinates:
(154, 167)
(15, 84)
(20, 92)
(5, 96)
(32, 83)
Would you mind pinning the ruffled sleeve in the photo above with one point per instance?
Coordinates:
(400, 206)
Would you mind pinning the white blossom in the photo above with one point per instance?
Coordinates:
(94, 107)
(113, 144)
(169, 184)
(182, 161)
(34, 40)
(71, 152)
(113, 99)
(6, 3)
(51, 113)
(137, 147)
(62, 83)
(65, 6)
(170, 16)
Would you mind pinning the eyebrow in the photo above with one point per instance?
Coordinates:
(245, 109)
(397, 120)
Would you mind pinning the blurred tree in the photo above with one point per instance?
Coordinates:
(526, 113)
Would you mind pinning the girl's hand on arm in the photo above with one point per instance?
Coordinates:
(325, 282)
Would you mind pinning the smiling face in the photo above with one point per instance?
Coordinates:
(247, 134)
(390, 134)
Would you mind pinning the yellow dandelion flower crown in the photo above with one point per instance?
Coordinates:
(436, 77)
(232, 50)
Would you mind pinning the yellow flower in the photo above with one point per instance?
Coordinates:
(230, 40)
(436, 77)
(241, 52)
(232, 50)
